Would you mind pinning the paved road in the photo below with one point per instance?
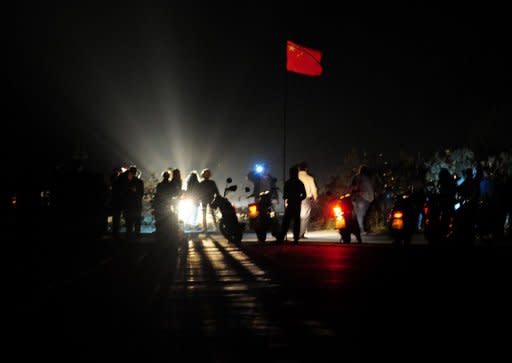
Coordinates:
(207, 300)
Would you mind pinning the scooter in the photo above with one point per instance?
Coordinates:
(262, 216)
(402, 220)
(452, 224)
(345, 219)
(229, 225)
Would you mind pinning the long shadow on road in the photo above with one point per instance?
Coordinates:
(208, 300)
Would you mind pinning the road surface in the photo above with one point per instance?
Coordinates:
(205, 299)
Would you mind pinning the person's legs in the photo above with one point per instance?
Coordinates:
(305, 213)
(214, 216)
(205, 225)
(357, 231)
(137, 222)
(361, 206)
(284, 227)
(296, 224)
(130, 223)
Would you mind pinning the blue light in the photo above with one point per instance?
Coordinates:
(258, 168)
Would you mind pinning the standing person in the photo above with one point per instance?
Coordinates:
(176, 189)
(446, 190)
(207, 191)
(164, 189)
(133, 202)
(487, 204)
(362, 194)
(192, 193)
(418, 198)
(162, 200)
(311, 196)
(293, 194)
(486, 186)
(468, 189)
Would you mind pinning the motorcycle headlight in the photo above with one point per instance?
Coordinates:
(185, 209)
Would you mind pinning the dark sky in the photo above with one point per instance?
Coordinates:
(197, 86)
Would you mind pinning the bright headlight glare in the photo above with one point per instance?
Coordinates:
(185, 209)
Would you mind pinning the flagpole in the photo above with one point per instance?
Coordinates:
(285, 100)
(284, 124)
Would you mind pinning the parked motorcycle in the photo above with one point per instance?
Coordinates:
(438, 220)
(402, 220)
(229, 225)
(449, 223)
(345, 219)
(262, 216)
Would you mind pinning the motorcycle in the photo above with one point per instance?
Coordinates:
(262, 216)
(402, 220)
(229, 225)
(450, 224)
(345, 219)
(438, 220)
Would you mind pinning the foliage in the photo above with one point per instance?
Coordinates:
(458, 160)
(455, 161)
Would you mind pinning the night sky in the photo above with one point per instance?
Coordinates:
(196, 86)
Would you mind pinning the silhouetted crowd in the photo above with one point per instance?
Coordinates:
(71, 200)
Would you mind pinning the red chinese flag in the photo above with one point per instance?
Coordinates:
(303, 60)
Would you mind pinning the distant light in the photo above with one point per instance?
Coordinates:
(259, 169)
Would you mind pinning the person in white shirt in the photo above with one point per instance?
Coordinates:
(311, 196)
(362, 194)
